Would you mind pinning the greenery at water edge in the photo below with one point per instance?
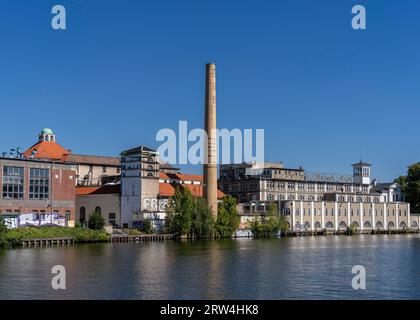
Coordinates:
(189, 216)
(13, 237)
(269, 225)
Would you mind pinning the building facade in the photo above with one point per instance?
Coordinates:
(104, 199)
(37, 192)
(317, 201)
(273, 182)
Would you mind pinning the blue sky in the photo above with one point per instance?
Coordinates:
(326, 95)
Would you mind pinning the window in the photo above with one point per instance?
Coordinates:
(98, 210)
(103, 169)
(82, 215)
(39, 183)
(112, 218)
(13, 182)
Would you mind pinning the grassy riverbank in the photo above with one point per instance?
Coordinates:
(13, 237)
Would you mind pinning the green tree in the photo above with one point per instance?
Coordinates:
(188, 215)
(179, 212)
(96, 221)
(203, 223)
(227, 217)
(410, 185)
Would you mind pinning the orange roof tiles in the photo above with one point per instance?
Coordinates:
(105, 189)
(181, 176)
(47, 150)
(168, 190)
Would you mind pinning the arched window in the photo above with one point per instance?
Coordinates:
(317, 225)
(367, 224)
(82, 215)
(311, 198)
(150, 167)
(307, 225)
(391, 225)
(342, 225)
(414, 224)
(403, 225)
(98, 210)
(379, 225)
(329, 225)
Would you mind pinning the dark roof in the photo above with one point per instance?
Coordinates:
(105, 189)
(94, 160)
(138, 150)
(362, 163)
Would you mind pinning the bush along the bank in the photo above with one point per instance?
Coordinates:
(269, 225)
(13, 237)
(96, 221)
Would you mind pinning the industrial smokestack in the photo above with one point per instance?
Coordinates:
(210, 148)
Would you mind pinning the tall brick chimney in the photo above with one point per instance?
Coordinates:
(210, 148)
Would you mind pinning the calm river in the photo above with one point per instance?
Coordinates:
(288, 268)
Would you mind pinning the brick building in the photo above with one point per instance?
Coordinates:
(37, 192)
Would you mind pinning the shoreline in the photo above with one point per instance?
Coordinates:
(71, 241)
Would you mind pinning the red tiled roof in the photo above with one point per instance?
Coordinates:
(181, 176)
(47, 150)
(168, 190)
(105, 189)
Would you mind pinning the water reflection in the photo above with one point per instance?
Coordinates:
(290, 268)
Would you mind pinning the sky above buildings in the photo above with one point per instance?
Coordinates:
(326, 95)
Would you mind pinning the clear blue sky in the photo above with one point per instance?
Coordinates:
(326, 95)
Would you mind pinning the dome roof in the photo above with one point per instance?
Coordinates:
(47, 131)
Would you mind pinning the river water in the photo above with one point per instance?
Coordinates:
(287, 268)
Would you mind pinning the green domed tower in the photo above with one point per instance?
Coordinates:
(47, 135)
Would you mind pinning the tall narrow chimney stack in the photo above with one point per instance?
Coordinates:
(210, 157)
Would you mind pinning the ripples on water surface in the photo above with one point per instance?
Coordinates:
(288, 268)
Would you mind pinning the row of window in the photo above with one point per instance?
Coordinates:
(13, 183)
(330, 212)
(272, 185)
